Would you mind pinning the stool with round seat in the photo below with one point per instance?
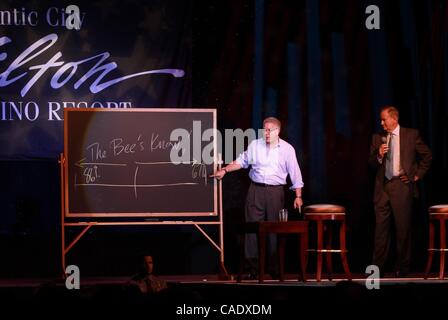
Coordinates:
(324, 214)
(437, 213)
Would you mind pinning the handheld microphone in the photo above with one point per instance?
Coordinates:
(386, 140)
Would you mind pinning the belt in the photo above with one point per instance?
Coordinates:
(266, 185)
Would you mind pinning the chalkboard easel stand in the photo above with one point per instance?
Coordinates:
(223, 275)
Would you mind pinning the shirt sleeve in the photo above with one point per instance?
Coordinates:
(294, 170)
(243, 158)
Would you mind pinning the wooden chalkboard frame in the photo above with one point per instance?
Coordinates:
(67, 112)
(68, 221)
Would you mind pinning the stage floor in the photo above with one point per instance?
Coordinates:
(290, 280)
(284, 300)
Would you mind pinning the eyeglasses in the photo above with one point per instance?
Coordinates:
(270, 129)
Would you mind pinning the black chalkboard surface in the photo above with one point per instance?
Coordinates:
(119, 162)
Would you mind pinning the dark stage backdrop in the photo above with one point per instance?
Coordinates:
(314, 64)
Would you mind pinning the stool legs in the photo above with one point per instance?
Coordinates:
(442, 248)
(328, 253)
(431, 248)
(344, 250)
(303, 238)
(320, 246)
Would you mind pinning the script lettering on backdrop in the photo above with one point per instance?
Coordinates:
(52, 58)
(67, 70)
(58, 80)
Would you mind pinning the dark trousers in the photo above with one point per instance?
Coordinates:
(393, 208)
(262, 204)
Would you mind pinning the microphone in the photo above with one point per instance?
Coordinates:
(386, 140)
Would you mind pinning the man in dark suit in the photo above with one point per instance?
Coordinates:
(394, 154)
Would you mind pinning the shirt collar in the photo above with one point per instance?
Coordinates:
(396, 131)
(266, 145)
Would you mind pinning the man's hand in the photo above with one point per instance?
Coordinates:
(382, 150)
(219, 174)
(298, 203)
(404, 178)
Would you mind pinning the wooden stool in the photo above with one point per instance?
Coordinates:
(437, 213)
(322, 213)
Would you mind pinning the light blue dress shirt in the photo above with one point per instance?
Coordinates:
(271, 165)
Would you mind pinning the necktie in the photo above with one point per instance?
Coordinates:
(390, 158)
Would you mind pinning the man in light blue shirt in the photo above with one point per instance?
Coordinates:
(271, 160)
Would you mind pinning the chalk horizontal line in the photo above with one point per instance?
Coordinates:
(136, 185)
(81, 164)
(168, 162)
(100, 164)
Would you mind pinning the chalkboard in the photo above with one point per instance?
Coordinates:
(118, 162)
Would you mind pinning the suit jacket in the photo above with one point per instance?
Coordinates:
(415, 157)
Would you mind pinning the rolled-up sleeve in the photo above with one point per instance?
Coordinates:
(294, 170)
